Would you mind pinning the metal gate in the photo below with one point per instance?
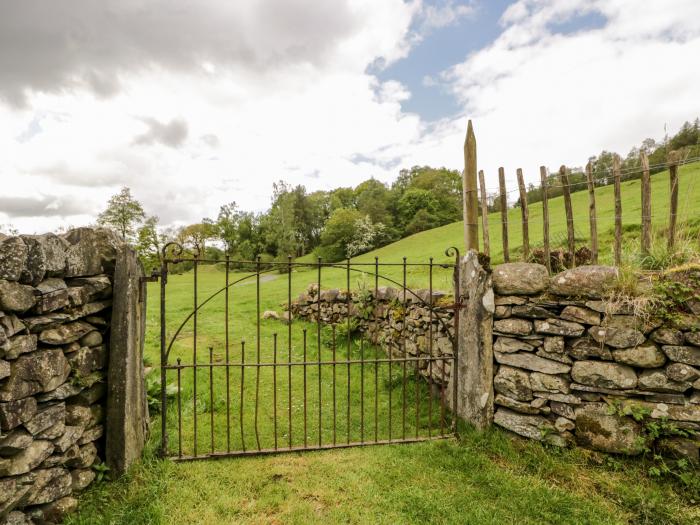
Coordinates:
(232, 383)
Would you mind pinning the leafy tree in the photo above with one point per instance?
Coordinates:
(197, 235)
(227, 223)
(338, 234)
(366, 237)
(123, 213)
(149, 243)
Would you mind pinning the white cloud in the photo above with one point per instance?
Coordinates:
(445, 14)
(540, 97)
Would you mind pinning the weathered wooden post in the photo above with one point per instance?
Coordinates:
(471, 201)
(646, 203)
(484, 214)
(618, 210)
(504, 213)
(592, 219)
(525, 215)
(566, 188)
(673, 212)
(545, 219)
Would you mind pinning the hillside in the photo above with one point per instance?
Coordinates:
(432, 243)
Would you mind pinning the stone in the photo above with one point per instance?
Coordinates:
(529, 426)
(679, 448)
(561, 398)
(682, 372)
(513, 383)
(55, 511)
(91, 434)
(82, 478)
(14, 442)
(4, 369)
(88, 309)
(686, 322)
(667, 336)
(51, 302)
(86, 457)
(531, 311)
(501, 312)
(71, 435)
(554, 345)
(91, 339)
(40, 371)
(91, 251)
(46, 416)
(586, 348)
(520, 278)
(17, 518)
(563, 424)
(562, 358)
(646, 355)
(97, 287)
(13, 257)
(42, 322)
(509, 345)
(15, 413)
(512, 326)
(599, 430)
(64, 391)
(11, 325)
(27, 460)
(643, 324)
(518, 406)
(49, 485)
(555, 326)
(658, 381)
(506, 300)
(271, 314)
(90, 395)
(532, 362)
(562, 409)
(548, 383)
(584, 281)
(12, 493)
(127, 408)
(602, 374)
(692, 338)
(616, 337)
(581, 315)
(46, 256)
(15, 297)
(87, 360)
(21, 344)
(682, 354)
(689, 413)
(66, 333)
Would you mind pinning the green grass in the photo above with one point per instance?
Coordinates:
(482, 478)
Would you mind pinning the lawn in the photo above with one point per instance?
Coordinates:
(479, 478)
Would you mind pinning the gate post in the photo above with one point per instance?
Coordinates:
(475, 343)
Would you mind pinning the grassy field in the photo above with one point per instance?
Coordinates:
(480, 478)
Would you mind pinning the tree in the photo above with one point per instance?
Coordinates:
(149, 243)
(197, 235)
(366, 237)
(123, 213)
(227, 226)
(338, 234)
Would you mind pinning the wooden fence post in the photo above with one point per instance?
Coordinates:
(646, 203)
(525, 214)
(618, 210)
(673, 213)
(569, 215)
(504, 213)
(592, 219)
(471, 202)
(484, 214)
(545, 219)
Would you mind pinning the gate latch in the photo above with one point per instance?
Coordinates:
(459, 305)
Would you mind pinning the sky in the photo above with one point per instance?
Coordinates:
(194, 104)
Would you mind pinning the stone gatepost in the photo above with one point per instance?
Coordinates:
(475, 343)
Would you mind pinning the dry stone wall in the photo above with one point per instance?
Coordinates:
(55, 314)
(571, 367)
(402, 325)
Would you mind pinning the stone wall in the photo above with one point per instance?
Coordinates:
(399, 324)
(55, 316)
(571, 367)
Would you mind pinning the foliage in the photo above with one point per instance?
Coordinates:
(123, 212)
(153, 391)
(149, 243)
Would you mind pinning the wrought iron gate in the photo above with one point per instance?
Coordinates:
(300, 385)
